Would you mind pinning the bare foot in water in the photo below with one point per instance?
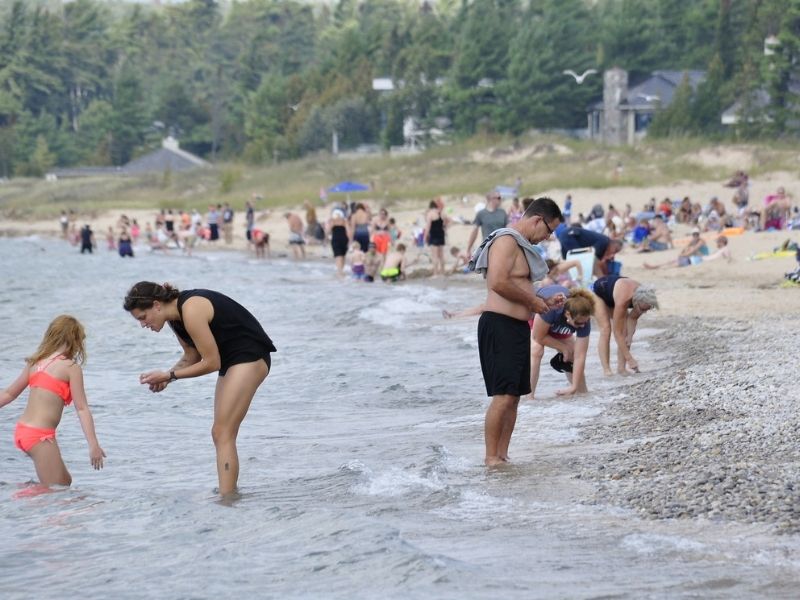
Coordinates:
(494, 461)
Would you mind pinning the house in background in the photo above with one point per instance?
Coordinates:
(167, 158)
(624, 114)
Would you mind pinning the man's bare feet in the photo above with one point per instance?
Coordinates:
(608, 373)
(494, 461)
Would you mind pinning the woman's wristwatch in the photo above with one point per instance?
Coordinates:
(172, 376)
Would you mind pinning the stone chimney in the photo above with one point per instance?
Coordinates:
(615, 88)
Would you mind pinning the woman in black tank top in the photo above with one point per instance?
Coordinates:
(217, 334)
(619, 302)
(435, 236)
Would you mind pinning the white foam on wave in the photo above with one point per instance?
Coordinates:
(397, 482)
(655, 543)
(395, 312)
(557, 422)
(478, 506)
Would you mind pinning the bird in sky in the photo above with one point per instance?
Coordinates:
(579, 78)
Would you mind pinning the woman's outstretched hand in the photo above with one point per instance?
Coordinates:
(156, 380)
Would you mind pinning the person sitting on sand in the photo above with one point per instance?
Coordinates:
(777, 210)
(555, 329)
(684, 214)
(460, 261)
(395, 264)
(692, 254)
(619, 302)
(685, 259)
(659, 238)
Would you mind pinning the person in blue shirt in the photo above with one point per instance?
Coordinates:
(566, 329)
(605, 249)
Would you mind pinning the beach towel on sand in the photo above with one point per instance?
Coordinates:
(480, 259)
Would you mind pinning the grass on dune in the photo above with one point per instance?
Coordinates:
(469, 167)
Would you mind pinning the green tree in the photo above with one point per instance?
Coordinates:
(94, 137)
(480, 61)
(783, 72)
(537, 93)
(710, 100)
(267, 112)
(128, 117)
(676, 119)
(87, 55)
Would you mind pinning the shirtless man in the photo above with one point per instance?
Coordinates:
(296, 240)
(504, 338)
(660, 237)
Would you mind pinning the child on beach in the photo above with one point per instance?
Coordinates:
(373, 263)
(110, 241)
(394, 266)
(357, 260)
(460, 261)
(55, 378)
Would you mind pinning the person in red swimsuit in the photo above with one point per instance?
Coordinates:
(55, 378)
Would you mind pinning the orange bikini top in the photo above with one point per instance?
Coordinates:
(42, 379)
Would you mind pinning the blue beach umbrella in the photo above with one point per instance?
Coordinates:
(347, 187)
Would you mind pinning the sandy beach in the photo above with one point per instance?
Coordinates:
(742, 289)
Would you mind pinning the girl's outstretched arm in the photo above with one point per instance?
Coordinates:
(96, 453)
(10, 394)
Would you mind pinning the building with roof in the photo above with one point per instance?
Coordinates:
(167, 158)
(624, 114)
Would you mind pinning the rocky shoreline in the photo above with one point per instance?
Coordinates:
(714, 434)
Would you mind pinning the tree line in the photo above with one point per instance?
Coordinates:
(87, 82)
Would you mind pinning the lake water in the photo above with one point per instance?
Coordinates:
(361, 458)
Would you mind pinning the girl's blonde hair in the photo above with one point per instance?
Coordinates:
(580, 303)
(64, 332)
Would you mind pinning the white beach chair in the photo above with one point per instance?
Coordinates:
(586, 258)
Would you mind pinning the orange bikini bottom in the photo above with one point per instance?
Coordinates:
(26, 437)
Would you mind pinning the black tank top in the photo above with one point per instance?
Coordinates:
(604, 288)
(437, 228)
(239, 336)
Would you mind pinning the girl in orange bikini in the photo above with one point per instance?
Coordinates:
(55, 378)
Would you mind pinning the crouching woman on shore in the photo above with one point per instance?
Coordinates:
(619, 302)
(566, 330)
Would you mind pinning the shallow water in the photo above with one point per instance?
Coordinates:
(361, 458)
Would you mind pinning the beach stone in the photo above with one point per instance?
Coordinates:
(714, 437)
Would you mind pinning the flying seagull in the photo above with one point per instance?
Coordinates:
(579, 78)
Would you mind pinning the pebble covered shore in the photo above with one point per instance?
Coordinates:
(714, 432)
